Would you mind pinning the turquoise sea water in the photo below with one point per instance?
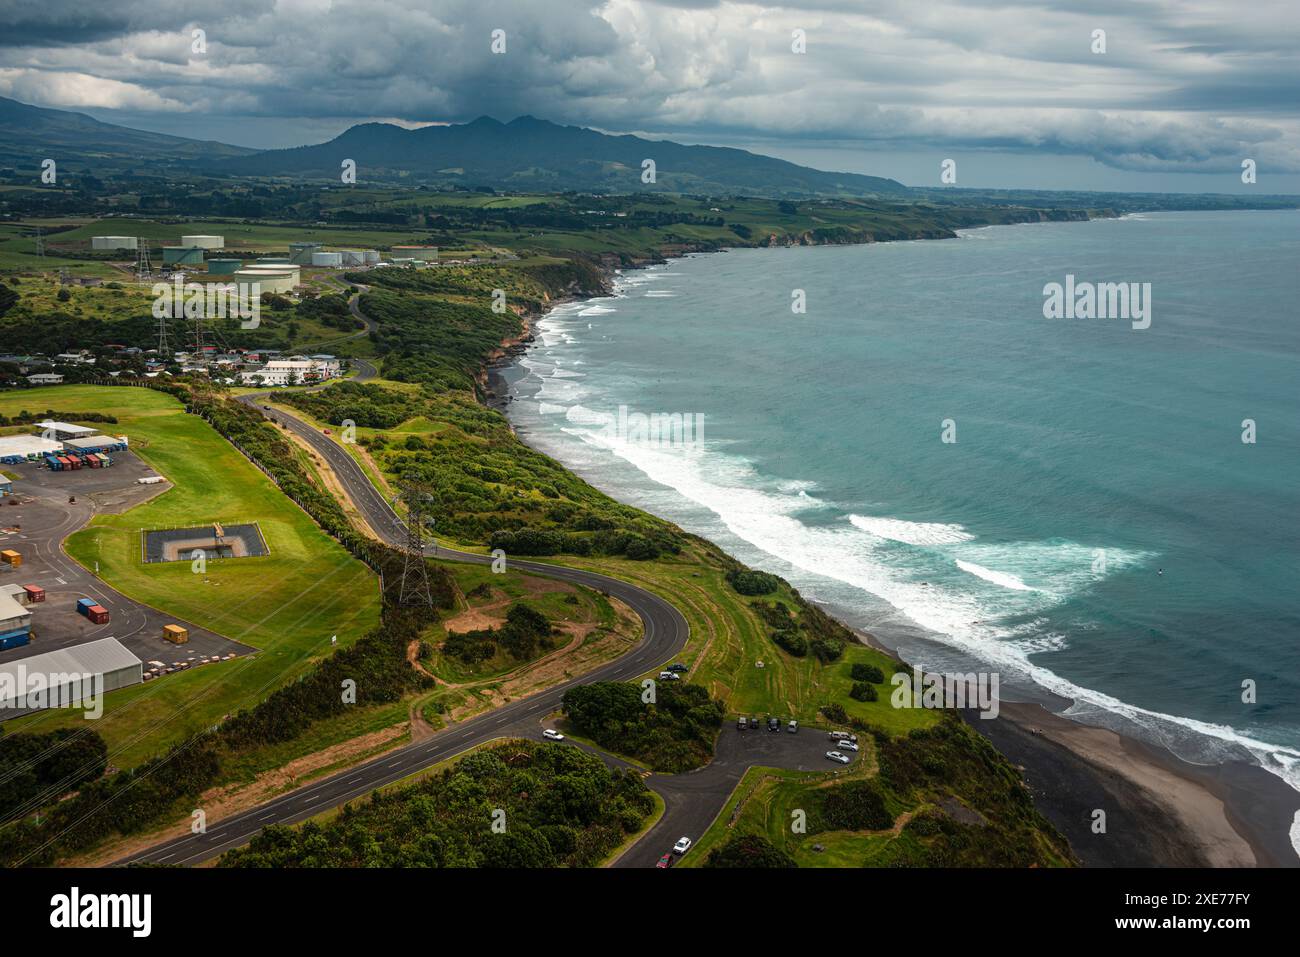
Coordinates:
(1098, 529)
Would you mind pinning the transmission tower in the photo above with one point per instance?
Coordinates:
(143, 269)
(414, 589)
(164, 348)
(40, 246)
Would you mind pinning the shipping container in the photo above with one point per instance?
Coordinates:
(15, 640)
(97, 614)
(11, 557)
(176, 634)
(35, 593)
(84, 605)
(53, 464)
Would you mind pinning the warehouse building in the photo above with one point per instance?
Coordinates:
(204, 242)
(68, 677)
(15, 622)
(96, 443)
(63, 431)
(113, 242)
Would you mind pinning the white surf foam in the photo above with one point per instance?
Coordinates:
(989, 575)
(911, 533)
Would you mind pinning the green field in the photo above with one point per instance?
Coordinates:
(288, 604)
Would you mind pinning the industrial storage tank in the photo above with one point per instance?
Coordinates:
(372, 256)
(332, 260)
(269, 280)
(224, 267)
(113, 242)
(300, 253)
(353, 257)
(204, 242)
(182, 255)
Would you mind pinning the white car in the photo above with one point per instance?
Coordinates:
(836, 756)
(682, 846)
(669, 676)
(846, 746)
(551, 735)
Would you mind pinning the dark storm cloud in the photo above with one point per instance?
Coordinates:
(1183, 84)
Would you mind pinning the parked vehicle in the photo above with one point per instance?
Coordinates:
(841, 736)
(679, 667)
(552, 735)
(741, 723)
(665, 861)
(669, 676)
(682, 846)
(793, 726)
(836, 756)
(846, 746)
(774, 724)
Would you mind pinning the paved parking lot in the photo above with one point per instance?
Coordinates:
(36, 528)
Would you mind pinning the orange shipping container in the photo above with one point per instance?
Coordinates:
(10, 557)
(176, 634)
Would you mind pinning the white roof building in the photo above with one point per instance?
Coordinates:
(65, 430)
(69, 673)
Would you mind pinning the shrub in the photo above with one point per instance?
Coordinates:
(747, 581)
(749, 850)
(862, 691)
(869, 673)
(856, 806)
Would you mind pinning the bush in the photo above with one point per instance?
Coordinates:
(749, 850)
(835, 712)
(868, 673)
(747, 581)
(856, 806)
(862, 691)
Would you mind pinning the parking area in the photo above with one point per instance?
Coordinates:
(39, 516)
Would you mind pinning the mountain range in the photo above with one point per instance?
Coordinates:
(524, 154)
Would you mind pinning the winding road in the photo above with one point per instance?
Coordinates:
(692, 801)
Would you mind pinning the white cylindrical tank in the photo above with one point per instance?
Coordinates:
(353, 257)
(113, 242)
(372, 256)
(327, 259)
(267, 280)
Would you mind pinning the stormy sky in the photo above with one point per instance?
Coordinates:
(1013, 90)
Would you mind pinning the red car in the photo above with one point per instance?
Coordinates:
(666, 861)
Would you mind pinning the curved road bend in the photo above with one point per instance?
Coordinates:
(665, 629)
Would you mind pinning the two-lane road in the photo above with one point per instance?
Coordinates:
(665, 633)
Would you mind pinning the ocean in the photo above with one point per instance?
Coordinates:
(1066, 501)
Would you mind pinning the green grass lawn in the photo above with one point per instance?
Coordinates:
(287, 604)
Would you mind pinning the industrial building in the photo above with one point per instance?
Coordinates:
(300, 253)
(113, 242)
(96, 443)
(46, 378)
(224, 267)
(182, 255)
(69, 676)
(63, 431)
(293, 371)
(6, 486)
(26, 448)
(204, 242)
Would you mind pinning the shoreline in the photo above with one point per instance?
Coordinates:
(1161, 811)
